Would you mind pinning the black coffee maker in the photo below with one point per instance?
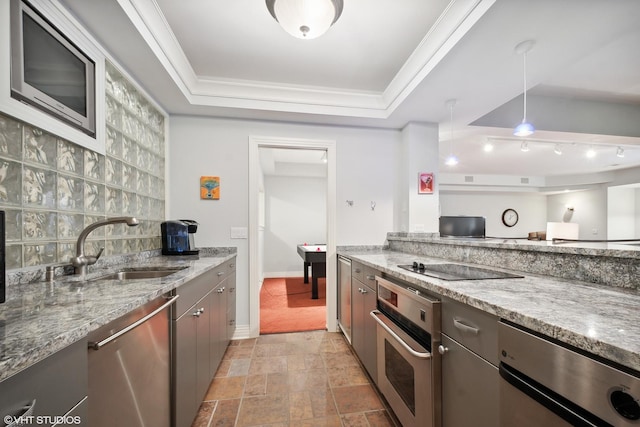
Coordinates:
(178, 237)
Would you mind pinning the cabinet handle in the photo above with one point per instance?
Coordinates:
(220, 273)
(358, 270)
(371, 277)
(363, 291)
(442, 349)
(232, 265)
(198, 312)
(221, 290)
(19, 420)
(231, 290)
(465, 328)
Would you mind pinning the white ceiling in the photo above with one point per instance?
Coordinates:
(384, 64)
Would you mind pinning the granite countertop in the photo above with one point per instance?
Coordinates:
(590, 248)
(596, 318)
(44, 317)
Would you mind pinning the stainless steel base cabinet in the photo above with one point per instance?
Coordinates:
(344, 296)
(470, 378)
(53, 391)
(200, 335)
(364, 299)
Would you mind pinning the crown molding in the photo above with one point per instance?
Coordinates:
(457, 19)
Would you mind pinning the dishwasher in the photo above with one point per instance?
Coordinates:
(545, 382)
(129, 368)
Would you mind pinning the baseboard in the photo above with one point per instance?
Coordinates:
(278, 274)
(241, 333)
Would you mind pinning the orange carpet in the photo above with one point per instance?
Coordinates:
(286, 306)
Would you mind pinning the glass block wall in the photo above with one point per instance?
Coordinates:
(51, 188)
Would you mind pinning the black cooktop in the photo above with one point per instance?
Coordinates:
(457, 272)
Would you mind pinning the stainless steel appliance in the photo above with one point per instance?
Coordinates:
(548, 383)
(344, 296)
(3, 285)
(129, 369)
(448, 271)
(408, 371)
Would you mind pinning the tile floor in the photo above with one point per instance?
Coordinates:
(295, 379)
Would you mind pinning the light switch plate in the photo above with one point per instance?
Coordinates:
(239, 232)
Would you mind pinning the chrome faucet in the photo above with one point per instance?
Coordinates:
(81, 261)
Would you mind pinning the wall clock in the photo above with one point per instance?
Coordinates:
(509, 217)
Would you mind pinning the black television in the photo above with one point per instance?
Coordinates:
(462, 226)
(48, 71)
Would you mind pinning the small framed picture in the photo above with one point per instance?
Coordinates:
(210, 187)
(425, 183)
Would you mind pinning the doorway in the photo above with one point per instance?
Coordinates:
(257, 215)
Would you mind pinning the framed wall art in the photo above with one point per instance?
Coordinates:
(210, 187)
(425, 183)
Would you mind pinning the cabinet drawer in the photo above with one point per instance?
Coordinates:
(192, 291)
(357, 271)
(369, 278)
(53, 386)
(473, 328)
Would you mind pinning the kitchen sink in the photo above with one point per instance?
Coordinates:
(141, 273)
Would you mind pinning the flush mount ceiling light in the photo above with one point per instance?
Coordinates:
(451, 159)
(525, 128)
(305, 19)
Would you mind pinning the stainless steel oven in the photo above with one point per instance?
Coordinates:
(408, 328)
(548, 383)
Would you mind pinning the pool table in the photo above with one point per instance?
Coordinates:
(316, 257)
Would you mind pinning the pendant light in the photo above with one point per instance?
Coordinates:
(525, 128)
(305, 19)
(451, 159)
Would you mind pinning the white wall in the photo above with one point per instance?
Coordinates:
(198, 146)
(295, 210)
(622, 212)
(589, 211)
(531, 208)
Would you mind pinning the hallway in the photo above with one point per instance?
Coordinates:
(294, 379)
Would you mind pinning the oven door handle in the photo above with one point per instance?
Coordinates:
(564, 409)
(395, 336)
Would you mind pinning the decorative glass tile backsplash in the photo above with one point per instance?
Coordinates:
(51, 188)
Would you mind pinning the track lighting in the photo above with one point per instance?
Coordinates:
(488, 147)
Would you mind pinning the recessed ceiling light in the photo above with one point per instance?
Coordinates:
(488, 147)
(524, 146)
(620, 152)
(591, 153)
(558, 150)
